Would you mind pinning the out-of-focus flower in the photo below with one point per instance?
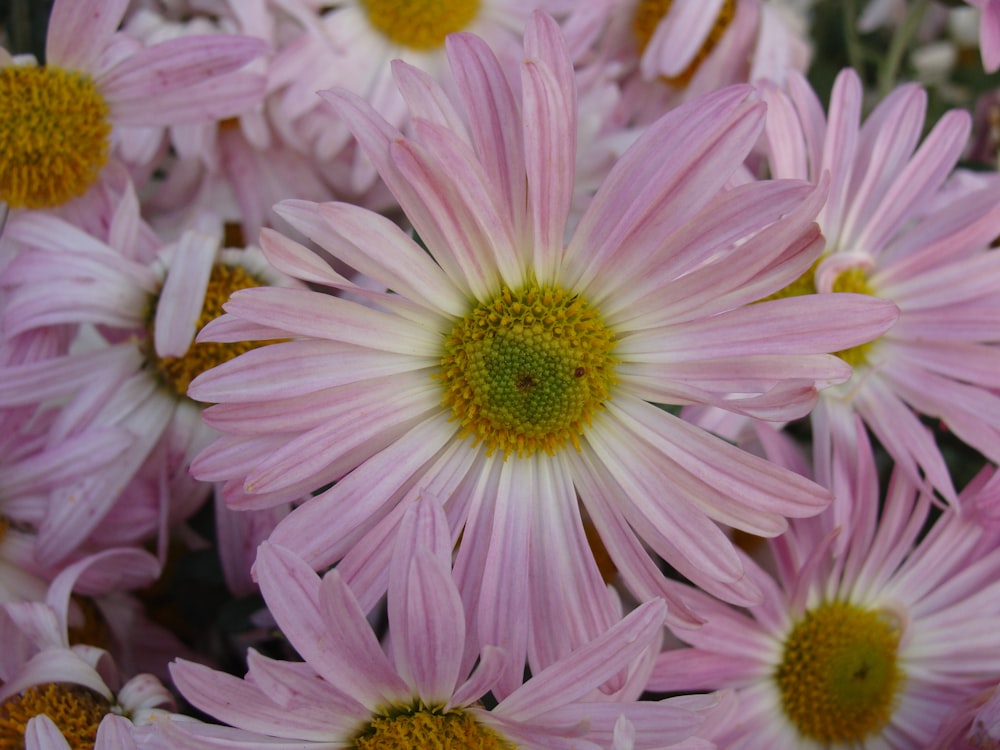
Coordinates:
(351, 693)
(893, 230)
(515, 373)
(871, 648)
(128, 370)
(57, 121)
(54, 695)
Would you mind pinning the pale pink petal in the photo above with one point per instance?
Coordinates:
(839, 149)
(678, 37)
(989, 35)
(79, 32)
(41, 733)
(183, 294)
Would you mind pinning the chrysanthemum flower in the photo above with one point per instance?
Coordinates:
(870, 648)
(54, 695)
(892, 231)
(513, 373)
(128, 370)
(57, 120)
(348, 692)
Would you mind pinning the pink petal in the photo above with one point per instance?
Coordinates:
(183, 294)
(79, 32)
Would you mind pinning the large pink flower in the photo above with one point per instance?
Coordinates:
(351, 693)
(517, 374)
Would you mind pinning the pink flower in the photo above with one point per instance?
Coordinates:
(55, 695)
(351, 692)
(869, 648)
(59, 121)
(646, 303)
(893, 231)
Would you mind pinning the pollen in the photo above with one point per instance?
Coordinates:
(527, 370)
(54, 135)
(178, 372)
(649, 13)
(420, 25)
(839, 676)
(429, 728)
(76, 710)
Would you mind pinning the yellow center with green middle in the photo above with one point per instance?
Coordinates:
(853, 280)
(839, 674)
(54, 135)
(422, 727)
(420, 24)
(649, 13)
(527, 370)
(76, 710)
(176, 373)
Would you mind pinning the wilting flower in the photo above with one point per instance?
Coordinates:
(515, 374)
(871, 648)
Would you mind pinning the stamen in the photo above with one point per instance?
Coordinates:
(649, 13)
(76, 710)
(421, 727)
(420, 24)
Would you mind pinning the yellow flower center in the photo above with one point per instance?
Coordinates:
(649, 13)
(839, 675)
(76, 710)
(527, 370)
(178, 372)
(852, 280)
(420, 727)
(54, 135)
(420, 24)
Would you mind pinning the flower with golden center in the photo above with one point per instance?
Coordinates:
(517, 372)
(56, 120)
(870, 646)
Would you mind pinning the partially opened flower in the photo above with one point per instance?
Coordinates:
(515, 374)
(869, 648)
(57, 120)
(893, 231)
(350, 693)
(54, 695)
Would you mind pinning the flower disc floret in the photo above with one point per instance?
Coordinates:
(649, 13)
(839, 673)
(75, 710)
(423, 727)
(527, 370)
(178, 372)
(54, 135)
(420, 24)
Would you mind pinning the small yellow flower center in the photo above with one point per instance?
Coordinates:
(178, 372)
(420, 24)
(76, 710)
(649, 13)
(420, 727)
(852, 280)
(527, 370)
(54, 135)
(839, 675)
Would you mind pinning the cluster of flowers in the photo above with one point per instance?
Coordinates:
(557, 374)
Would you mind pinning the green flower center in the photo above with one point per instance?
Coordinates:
(54, 135)
(649, 13)
(420, 727)
(178, 372)
(420, 24)
(527, 370)
(839, 674)
(852, 280)
(76, 710)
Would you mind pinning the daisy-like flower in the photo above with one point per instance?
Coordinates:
(871, 648)
(894, 231)
(351, 693)
(57, 121)
(515, 374)
(129, 368)
(55, 696)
